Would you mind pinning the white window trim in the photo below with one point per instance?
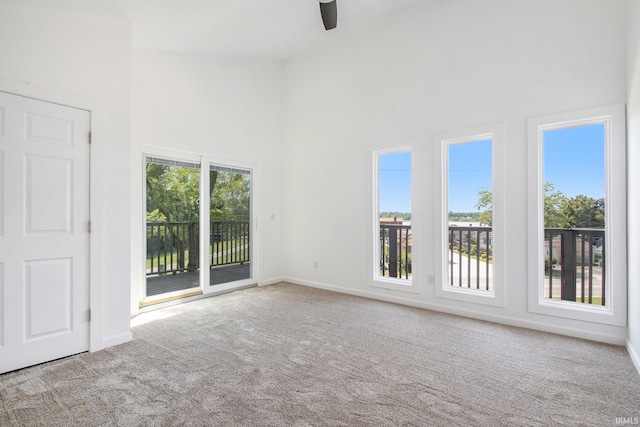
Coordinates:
(615, 312)
(405, 285)
(496, 297)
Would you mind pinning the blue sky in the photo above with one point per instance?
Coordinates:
(470, 168)
(573, 162)
(395, 182)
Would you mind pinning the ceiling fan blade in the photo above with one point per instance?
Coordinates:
(329, 12)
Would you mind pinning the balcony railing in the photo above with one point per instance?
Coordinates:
(470, 257)
(574, 260)
(173, 247)
(229, 243)
(395, 250)
(574, 264)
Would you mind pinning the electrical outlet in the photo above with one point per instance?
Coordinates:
(431, 279)
(315, 264)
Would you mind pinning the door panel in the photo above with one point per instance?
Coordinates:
(45, 129)
(47, 290)
(230, 234)
(173, 229)
(47, 195)
(44, 236)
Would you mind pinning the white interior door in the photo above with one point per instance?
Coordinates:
(44, 231)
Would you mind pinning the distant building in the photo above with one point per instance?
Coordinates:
(464, 224)
(396, 220)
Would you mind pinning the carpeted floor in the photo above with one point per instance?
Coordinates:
(286, 355)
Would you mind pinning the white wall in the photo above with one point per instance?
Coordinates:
(227, 110)
(440, 66)
(61, 57)
(633, 171)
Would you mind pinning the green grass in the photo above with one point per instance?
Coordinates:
(221, 246)
(168, 257)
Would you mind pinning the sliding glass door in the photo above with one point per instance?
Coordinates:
(172, 227)
(177, 222)
(230, 228)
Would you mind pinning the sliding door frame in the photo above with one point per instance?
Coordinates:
(138, 288)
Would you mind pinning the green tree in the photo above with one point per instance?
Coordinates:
(463, 216)
(484, 205)
(173, 192)
(185, 188)
(554, 216)
(156, 216)
(230, 198)
(584, 212)
(560, 211)
(400, 215)
(157, 196)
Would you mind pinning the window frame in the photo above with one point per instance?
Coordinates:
(378, 281)
(613, 118)
(495, 133)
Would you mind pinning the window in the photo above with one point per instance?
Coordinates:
(469, 201)
(471, 216)
(577, 221)
(392, 224)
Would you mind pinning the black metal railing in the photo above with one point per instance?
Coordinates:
(229, 243)
(467, 244)
(395, 250)
(574, 261)
(173, 247)
(574, 264)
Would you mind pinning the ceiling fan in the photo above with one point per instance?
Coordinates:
(329, 12)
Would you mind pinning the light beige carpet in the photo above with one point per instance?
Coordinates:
(286, 355)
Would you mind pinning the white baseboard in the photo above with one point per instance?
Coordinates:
(272, 281)
(117, 339)
(505, 320)
(635, 357)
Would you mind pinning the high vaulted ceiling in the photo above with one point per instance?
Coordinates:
(273, 29)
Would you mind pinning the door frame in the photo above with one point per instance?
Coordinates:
(140, 294)
(96, 192)
(146, 146)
